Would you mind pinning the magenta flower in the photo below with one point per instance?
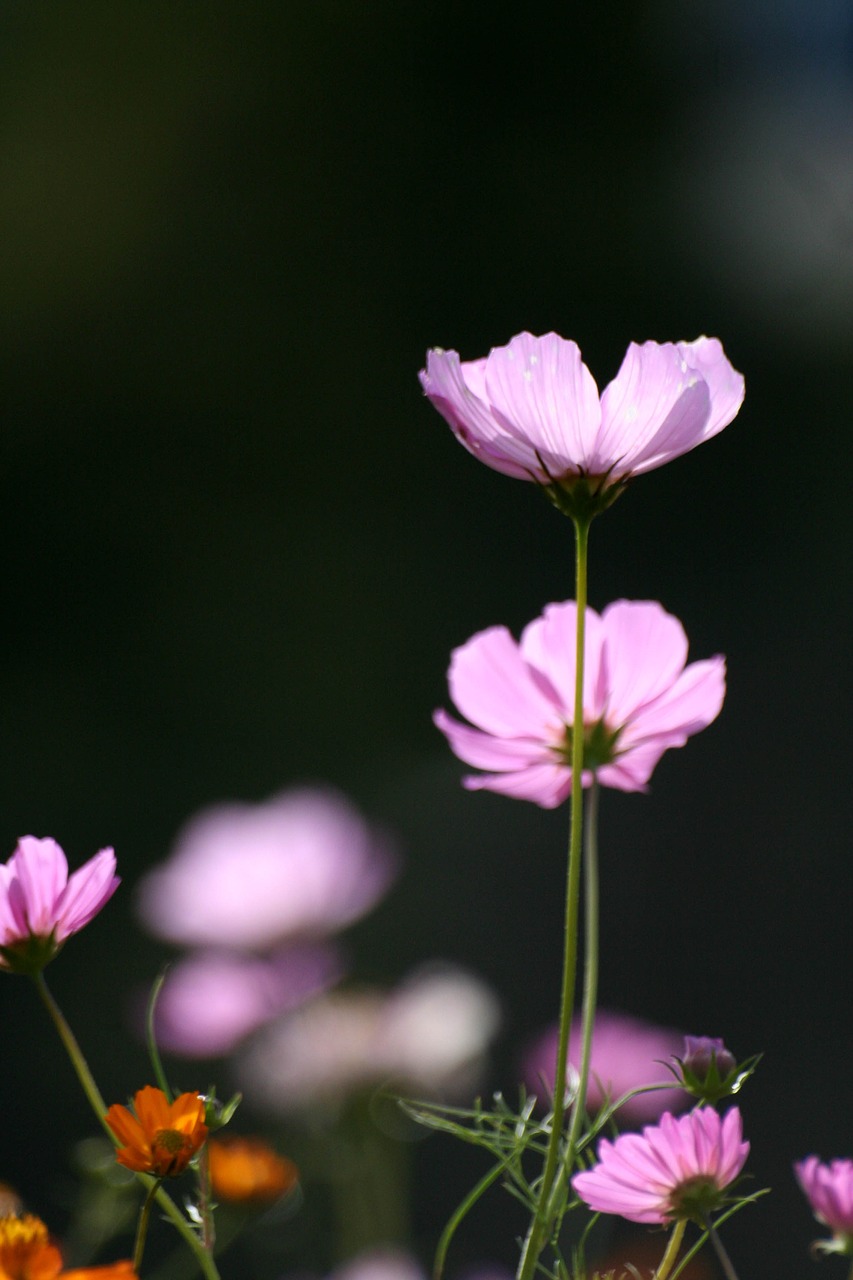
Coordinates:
(627, 1054)
(40, 906)
(829, 1191)
(639, 699)
(532, 409)
(212, 1000)
(679, 1168)
(303, 864)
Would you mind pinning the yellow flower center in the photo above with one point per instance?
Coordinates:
(25, 1250)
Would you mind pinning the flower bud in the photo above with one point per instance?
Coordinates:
(703, 1052)
(709, 1070)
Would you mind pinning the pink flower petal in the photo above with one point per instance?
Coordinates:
(494, 688)
(88, 889)
(543, 394)
(40, 876)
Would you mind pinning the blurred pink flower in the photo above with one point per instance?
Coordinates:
(627, 1054)
(303, 864)
(380, 1264)
(639, 700)
(429, 1035)
(532, 409)
(829, 1190)
(213, 999)
(676, 1169)
(41, 906)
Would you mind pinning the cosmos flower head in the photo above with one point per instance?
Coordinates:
(211, 1000)
(679, 1168)
(829, 1190)
(640, 698)
(158, 1137)
(627, 1054)
(251, 876)
(532, 410)
(41, 906)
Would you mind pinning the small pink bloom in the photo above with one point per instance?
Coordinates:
(40, 906)
(640, 698)
(245, 876)
(678, 1168)
(829, 1191)
(212, 1000)
(627, 1054)
(532, 409)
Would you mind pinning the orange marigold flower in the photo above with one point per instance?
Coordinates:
(162, 1137)
(27, 1254)
(245, 1169)
(25, 1250)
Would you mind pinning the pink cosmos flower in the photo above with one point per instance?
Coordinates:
(627, 1054)
(244, 876)
(40, 906)
(639, 699)
(212, 1000)
(532, 409)
(829, 1191)
(678, 1168)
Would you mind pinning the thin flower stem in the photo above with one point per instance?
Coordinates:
(668, 1260)
(153, 1050)
(142, 1226)
(722, 1257)
(87, 1080)
(555, 1171)
(590, 990)
(467, 1204)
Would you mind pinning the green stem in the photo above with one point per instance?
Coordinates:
(142, 1227)
(93, 1093)
(590, 989)
(722, 1257)
(467, 1204)
(668, 1260)
(153, 1051)
(554, 1171)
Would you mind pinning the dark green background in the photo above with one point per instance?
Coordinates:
(237, 545)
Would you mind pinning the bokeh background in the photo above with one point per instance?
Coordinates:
(237, 545)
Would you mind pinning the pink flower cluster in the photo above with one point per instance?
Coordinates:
(258, 890)
(640, 698)
(829, 1190)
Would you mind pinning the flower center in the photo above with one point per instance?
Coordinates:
(170, 1153)
(694, 1198)
(599, 745)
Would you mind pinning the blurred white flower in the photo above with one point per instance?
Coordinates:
(429, 1036)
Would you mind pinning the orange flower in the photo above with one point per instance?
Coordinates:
(27, 1254)
(111, 1271)
(162, 1137)
(245, 1169)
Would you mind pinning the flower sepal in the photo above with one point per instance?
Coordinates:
(839, 1244)
(218, 1114)
(583, 497)
(30, 955)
